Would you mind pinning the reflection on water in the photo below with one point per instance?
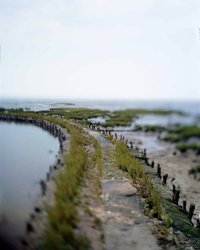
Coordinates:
(144, 140)
(165, 120)
(26, 152)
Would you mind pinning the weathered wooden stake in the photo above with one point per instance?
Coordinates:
(47, 176)
(198, 222)
(176, 196)
(165, 179)
(184, 205)
(152, 164)
(131, 144)
(145, 152)
(29, 227)
(191, 211)
(174, 189)
(159, 171)
(43, 187)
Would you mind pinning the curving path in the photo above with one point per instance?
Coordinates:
(124, 222)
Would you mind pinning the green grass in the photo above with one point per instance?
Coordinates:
(137, 128)
(67, 103)
(127, 163)
(182, 133)
(119, 118)
(78, 113)
(64, 217)
(183, 147)
(194, 170)
(19, 110)
(116, 118)
(154, 128)
(125, 117)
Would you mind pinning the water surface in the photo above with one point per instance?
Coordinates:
(26, 152)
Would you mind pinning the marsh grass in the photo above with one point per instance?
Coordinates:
(182, 133)
(67, 103)
(116, 118)
(195, 170)
(125, 117)
(126, 162)
(154, 128)
(78, 113)
(183, 147)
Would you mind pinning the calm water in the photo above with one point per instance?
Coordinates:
(26, 152)
(190, 107)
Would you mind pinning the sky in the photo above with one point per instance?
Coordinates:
(100, 49)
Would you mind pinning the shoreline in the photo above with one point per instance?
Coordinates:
(149, 169)
(38, 221)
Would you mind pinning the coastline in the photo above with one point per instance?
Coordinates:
(31, 234)
(38, 221)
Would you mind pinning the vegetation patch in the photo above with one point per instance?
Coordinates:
(126, 162)
(183, 147)
(182, 133)
(67, 103)
(11, 110)
(154, 128)
(195, 170)
(180, 219)
(116, 118)
(78, 113)
(157, 206)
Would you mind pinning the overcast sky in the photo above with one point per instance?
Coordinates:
(139, 49)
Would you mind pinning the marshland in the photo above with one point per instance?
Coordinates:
(160, 158)
(99, 125)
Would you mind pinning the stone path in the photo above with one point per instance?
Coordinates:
(124, 222)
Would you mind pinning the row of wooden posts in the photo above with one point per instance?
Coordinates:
(53, 128)
(176, 192)
(41, 123)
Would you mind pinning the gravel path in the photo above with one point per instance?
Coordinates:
(124, 222)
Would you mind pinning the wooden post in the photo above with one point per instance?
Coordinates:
(176, 196)
(131, 144)
(43, 187)
(152, 164)
(47, 176)
(145, 152)
(198, 222)
(165, 179)
(116, 135)
(191, 211)
(159, 171)
(184, 205)
(174, 189)
(29, 227)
